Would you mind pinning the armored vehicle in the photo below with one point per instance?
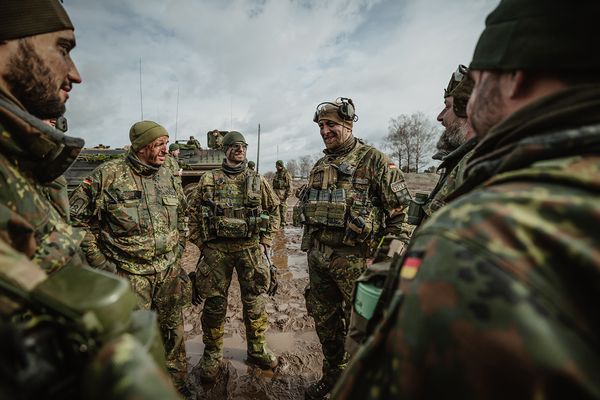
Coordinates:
(193, 159)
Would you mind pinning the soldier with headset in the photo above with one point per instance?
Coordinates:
(355, 196)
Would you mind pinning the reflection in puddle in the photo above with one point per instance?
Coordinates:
(287, 255)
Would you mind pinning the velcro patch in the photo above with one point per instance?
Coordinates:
(398, 186)
(410, 267)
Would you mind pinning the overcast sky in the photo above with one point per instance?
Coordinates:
(236, 63)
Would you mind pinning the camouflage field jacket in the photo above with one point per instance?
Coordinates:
(34, 214)
(371, 188)
(454, 165)
(282, 184)
(133, 215)
(496, 290)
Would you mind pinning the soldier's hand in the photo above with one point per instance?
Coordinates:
(196, 299)
(109, 266)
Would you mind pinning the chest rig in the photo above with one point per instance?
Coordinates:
(338, 203)
(279, 180)
(235, 209)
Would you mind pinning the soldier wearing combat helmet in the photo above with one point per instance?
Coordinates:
(494, 293)
(132, 210)
(232, 219)
(355, 196)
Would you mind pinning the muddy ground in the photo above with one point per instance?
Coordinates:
(291, 334)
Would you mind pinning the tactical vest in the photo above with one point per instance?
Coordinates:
(236, 210)
(339, 203)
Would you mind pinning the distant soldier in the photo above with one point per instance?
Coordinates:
(282, 185)
(194, 142)
(171, 162)
(493, 296)
(251, 165)
(56, 339)
(133, 212)
(354, 197)
(457, 144)
(233, 216)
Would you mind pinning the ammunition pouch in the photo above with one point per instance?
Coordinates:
(226, 227)
(326, 207)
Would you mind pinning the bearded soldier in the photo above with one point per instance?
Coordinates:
(493, 296)
(61, 323)
(282, 185)
(233, 216)
(132, 209)
(354, 197)
(456, 143)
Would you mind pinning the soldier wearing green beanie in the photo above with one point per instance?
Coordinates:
(251, 165)
(493, 295)
(49, 350)
(233, 215)
(142, 232)
(171, 162)
(282, 185)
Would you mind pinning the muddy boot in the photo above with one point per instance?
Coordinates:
(265, 360)
(209, 369)
(320, 389)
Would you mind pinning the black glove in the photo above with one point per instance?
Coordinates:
(196, 299)
(274, 284)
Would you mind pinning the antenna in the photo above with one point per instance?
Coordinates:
(231, 114)
(177, 113)
(258, 150)
(141, 98)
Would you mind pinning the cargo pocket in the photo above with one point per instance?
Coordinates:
(256, 274)
(171, 204)
(123, 218)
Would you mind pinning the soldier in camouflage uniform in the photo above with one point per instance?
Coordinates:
(495, 292)
(171, 162)
(458, 139)
(354, 197)
(42, 353)
(232, 218)
(282, 185)
(133, 212)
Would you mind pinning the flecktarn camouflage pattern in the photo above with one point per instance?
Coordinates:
(282, 185)
(231, 215)
(134, 218)
(351, 195)
(494, 294)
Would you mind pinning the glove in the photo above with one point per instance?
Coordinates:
(196, 299)
(274, 284)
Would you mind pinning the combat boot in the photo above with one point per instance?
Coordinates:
(209, 369)
(320, 389)
(266, 360)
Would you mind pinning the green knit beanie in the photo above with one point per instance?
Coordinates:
(173, 147)
(279, 163)
(21, 18)
(543, 35)
(143, 133)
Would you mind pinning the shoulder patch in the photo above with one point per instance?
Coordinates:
(398, 186)
(410, 266)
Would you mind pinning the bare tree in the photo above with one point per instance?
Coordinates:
(292, 167)
(411, 139)
(269, 175)
(305, 164)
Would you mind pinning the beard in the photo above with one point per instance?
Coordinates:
(30, 81)
(453, 137)
(487, 108)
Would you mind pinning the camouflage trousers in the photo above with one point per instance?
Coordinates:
(329, 301)
(213, 278)
(163, 292)
(283, 208)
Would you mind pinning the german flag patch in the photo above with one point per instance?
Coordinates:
(87, 181)
(411, 266)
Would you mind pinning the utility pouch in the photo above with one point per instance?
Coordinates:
(226, 227)
(253, 190)
(358, 229)
(263, 221)
(415, 212)
(336, 213)
(298, 217)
